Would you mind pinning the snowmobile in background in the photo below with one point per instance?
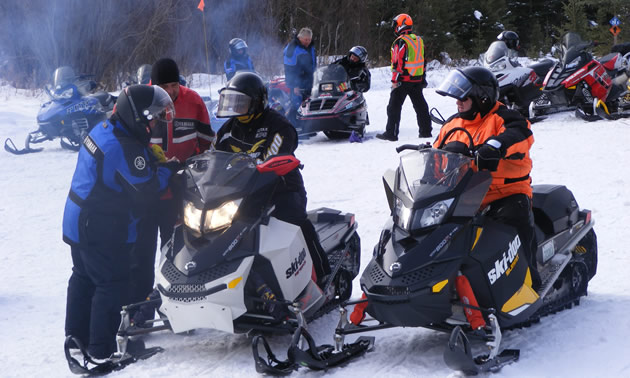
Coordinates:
(437, 233)
(74, 108)
(232, 266)
(596, 89)
(518, 85)
(334, 107)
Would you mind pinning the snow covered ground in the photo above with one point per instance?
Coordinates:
(586, 341)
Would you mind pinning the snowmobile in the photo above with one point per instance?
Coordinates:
(230, 249)
(334, 107)
(74, 108)
(518, 85)
(437, 233)
(596, 89)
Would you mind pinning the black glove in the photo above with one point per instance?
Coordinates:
(488, 156)
(173, 165)
(423, 83)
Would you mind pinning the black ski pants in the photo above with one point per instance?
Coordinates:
(397, 98)
(516, 211)
(97, 290)
(162, 216)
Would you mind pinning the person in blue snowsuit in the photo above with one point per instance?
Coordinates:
(300, 62)
(238, 60)
(115, 175)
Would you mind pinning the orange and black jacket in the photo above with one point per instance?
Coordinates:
(514, 132)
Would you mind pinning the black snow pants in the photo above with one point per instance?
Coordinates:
(397, 98)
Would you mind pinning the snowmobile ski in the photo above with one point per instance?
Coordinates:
(10, 147)
(458, 354)
(116, 362)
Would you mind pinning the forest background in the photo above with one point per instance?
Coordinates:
(112, 38)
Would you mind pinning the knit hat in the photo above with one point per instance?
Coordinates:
(164, 71)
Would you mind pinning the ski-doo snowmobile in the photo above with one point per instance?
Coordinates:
(334, 107)
(518, 85)
(595, 88)
(70, 114)
(437, 233)
(230, 246)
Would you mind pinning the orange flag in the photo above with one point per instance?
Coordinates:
(201, 5)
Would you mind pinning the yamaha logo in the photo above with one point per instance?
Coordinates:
(190, 265)
(139, 163)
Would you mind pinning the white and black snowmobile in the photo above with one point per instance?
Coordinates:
(334, 107)
(233, 267)
(437, 233)
(518, 85)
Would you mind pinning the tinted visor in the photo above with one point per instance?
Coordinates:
(161, 108)
(455, 85)
(233, 103)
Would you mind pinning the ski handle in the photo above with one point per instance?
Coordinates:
(419, 147)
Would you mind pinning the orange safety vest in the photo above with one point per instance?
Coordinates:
(415, 54)
(512, 175)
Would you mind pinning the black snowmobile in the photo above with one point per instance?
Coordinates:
(74, 108)
(437, 232)
(334, 107)
(234, 267)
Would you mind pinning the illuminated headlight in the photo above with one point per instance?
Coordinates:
(326, 87)
(210, 220)
(411, 220)
(573, 63)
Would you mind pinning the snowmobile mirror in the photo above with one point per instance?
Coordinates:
(436, 116)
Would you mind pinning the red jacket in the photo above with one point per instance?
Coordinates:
(190, 132)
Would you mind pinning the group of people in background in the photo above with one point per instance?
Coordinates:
(124, 188)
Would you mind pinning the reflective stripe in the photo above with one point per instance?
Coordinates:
(415, 54)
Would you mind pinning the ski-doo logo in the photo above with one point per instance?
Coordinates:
(297, 264)
(507, 262)
(139, 163)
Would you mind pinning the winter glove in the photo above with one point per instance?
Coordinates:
(488, 155)
(158, 152)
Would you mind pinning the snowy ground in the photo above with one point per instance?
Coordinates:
(589, 340)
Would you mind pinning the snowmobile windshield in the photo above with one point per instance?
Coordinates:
(496, 51)
(233, 103)
(63, 77)
(430, 172)
(572, 39)
(455, 85)
(220, 176)
(331, 79)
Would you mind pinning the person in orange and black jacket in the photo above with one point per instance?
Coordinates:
(187, 135)
(502, 139)
(408, 79)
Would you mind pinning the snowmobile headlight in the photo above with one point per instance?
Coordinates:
(66, 94)
(328, 87)
(431, 215)
(220, 217)
(192, 218)
(403, 214)
(498, 66)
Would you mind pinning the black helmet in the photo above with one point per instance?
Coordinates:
(244, 94)
(510, 38)
(138, 105)
(237, 44)
(143, 75)
(478, 83)
(360, 52)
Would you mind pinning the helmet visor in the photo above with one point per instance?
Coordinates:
(161, 108)
(233, 103)
(455, 85)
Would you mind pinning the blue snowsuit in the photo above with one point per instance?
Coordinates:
(114, 176)
(237, 63)
(299, 66)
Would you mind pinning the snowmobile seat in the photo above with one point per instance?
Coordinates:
(103, 97)
(555, 209)
(541, 68)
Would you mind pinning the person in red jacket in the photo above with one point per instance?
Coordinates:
(408, 79)
(187, 135)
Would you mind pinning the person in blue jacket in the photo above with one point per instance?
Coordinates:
(115, 175)
(300, 62)
(238, 60)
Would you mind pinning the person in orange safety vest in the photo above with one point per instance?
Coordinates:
(408, 79)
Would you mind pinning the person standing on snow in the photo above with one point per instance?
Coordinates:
(354, 64)
(300, 62)
(238, 59)
(187, 135)
(115, 178)
(408, 79)
(502, 138)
